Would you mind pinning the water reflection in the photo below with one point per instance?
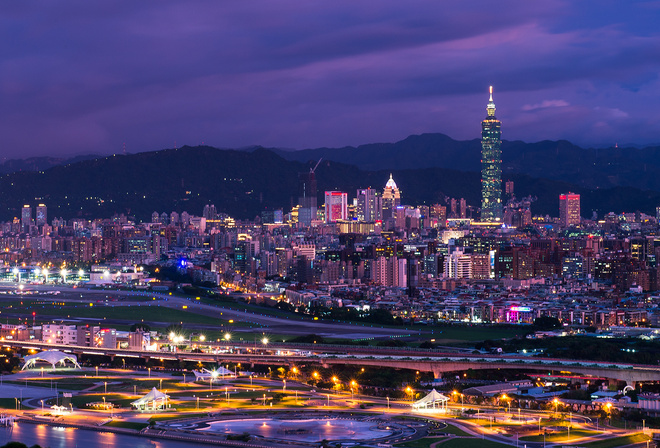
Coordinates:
(61, 437)
(307, 430)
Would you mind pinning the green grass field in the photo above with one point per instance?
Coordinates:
(426, 442)
(561, 436)
(451, 429)
(471, 443)
(135, 313)
(617, 441)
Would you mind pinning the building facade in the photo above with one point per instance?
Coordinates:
(491, 165)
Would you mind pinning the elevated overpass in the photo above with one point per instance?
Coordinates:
(401, 358)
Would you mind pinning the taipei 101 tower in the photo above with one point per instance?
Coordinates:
(491, 165)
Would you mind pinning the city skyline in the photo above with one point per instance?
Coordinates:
(81, 78)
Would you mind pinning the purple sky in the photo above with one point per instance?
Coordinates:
(85, 76)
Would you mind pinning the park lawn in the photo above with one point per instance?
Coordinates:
(472, 333)
(425, 442)
(7, 403)
(561, 436)
(465, 442)
(80, 401)
(61, 385)
(138, 426)
(451, 429)
(485, 422)
(146, 314)
(618, 441)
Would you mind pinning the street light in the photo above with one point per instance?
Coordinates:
(506, 400)
(556, 402)
(388, 402)
(227, 336)
(353, 384)
(410, 392)
(458, 393)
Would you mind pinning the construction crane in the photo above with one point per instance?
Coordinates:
(312, 170)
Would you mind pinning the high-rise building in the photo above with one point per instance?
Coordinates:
(26, 218)
(569, 209)
(307, 198)
(42, 215)
(391, 198)
(210, 212)
(491, 165)
(508, 187)
(336, 206)
(369, 205)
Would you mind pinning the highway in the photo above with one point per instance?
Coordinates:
(414, 359)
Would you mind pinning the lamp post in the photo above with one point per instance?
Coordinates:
(388, 402)
(105, 387)
(556, 402)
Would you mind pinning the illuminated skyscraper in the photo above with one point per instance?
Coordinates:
(336, 206)
(26, 218)
(491, 165)
(42, 215)
(307, 198)
(569, 209)
(391, 198)
(369, 205)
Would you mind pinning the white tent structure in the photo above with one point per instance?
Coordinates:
(433, 401)
(157, 399)
(53, 357)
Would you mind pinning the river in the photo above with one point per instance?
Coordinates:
(59, 437)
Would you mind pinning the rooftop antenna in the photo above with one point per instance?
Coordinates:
(124, 147)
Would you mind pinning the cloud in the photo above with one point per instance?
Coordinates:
(86, 77)
(545, 104)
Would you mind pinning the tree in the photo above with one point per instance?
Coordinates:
(546, 323)
(140, 326)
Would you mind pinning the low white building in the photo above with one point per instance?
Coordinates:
(59, 334)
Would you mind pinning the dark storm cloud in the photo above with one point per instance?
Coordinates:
(87, 76)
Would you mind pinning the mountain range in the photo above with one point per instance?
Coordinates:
(245, 182)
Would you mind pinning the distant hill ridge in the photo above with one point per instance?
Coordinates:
(243, 183)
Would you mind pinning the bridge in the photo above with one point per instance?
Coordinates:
(437, 362)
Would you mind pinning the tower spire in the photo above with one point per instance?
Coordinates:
(490, 109)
